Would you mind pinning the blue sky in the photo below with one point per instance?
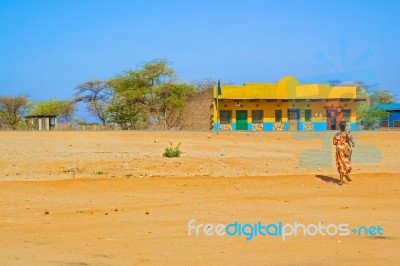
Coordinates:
(47, 48)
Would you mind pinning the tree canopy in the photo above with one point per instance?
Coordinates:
(61, 108)
(367, 111)
(12, 109)
(97, 95)
(149, 96)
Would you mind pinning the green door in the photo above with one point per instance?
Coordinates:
(241, 120)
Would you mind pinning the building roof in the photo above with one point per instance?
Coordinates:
(40, 116)
(287, 88)
(389, 107)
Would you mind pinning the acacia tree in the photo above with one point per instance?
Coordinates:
(366, 110)
(61, 108)
(12, 109)
(382, 96)
(153, 94)
(97, 94)
(125, 113)
(172, 99)
(129, 107)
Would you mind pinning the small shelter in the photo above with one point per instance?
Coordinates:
(42, 122)
(393, 118)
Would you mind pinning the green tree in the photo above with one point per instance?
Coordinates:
(153, 94)
(382, 96)
(125, 113)
(366, 110)
(63, 109)
(97, 94)
(172, 99)
(12, 109)
(129, 104)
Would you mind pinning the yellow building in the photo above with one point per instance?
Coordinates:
(286, 105)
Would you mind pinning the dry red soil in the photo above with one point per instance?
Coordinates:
(110, 198)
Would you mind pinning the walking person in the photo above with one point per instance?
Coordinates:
(343, 140)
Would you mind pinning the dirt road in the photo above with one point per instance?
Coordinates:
(110, 198)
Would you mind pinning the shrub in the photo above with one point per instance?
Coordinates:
(171, 151)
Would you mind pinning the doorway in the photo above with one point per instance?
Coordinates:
(241, 120)
(333, 118)
(293, 116)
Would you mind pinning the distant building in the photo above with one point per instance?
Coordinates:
(286, 105)
(42, 122)
(393, 117)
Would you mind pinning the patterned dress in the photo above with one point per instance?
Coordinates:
(343, 151)
(350, 141)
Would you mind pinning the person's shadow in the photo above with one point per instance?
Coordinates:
(328, 179)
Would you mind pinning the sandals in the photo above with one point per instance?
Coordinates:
(347, 178)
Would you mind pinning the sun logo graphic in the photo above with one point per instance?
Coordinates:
(342, 72)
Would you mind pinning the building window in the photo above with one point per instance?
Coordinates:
(257, 116)
(225, 117)
(307, 114)
(346, 115)
(278, 115)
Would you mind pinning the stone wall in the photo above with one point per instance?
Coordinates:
(308, 126)
(278, 126)
(226, 127)
(257, 126)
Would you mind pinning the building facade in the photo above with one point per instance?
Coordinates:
(286, 105)
(393, 118)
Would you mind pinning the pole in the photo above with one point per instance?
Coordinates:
(218, 93)
(218, 127)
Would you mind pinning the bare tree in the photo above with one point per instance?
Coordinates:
(97, 95)
(12, 109)
(204, 84)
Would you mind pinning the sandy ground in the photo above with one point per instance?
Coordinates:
(110, 198)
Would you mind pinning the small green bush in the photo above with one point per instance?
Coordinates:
(171, 151)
